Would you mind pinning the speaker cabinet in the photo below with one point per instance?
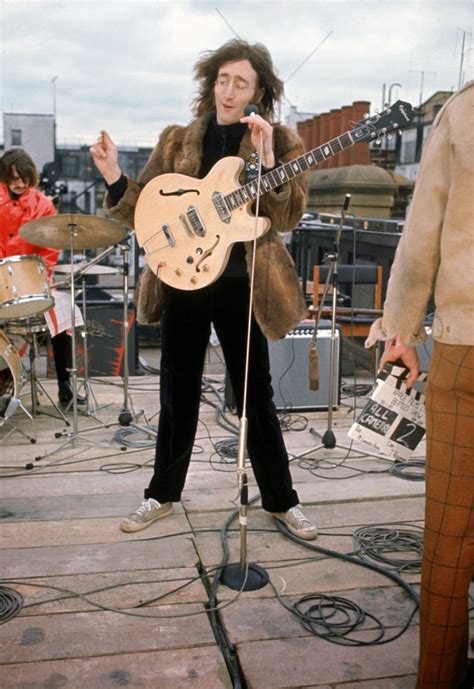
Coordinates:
(105, 350)
(289, 366)
(105, 339)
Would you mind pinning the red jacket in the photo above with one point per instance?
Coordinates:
(13, 214)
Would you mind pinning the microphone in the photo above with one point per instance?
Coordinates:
(250, 110)
(313, 365)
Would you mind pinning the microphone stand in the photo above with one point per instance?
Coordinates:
(242, 575)
(328, 438)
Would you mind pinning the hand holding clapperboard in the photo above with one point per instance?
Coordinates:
(393, 420)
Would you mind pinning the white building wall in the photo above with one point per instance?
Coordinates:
(36, 135)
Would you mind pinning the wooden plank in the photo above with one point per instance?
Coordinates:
(85, 635)
(299, 662)
(124, 589)
(44, 561)
(184, 668)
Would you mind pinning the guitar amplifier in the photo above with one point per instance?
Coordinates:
(289, 366)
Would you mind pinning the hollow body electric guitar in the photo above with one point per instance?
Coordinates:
(187, 226)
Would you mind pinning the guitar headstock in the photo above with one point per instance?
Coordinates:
(397, 116)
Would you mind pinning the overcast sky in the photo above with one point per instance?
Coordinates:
(126, 65)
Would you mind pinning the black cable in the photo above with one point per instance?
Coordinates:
(11, 602)
(402, 469)
(344, 616)
(124, 436)
(378, 543)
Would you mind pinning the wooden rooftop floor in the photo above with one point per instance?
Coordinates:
(60, 532)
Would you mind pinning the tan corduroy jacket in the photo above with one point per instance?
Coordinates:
(436, 250)
(278, 302)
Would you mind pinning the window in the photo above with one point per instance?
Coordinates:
(70, 166)
(408, 147)
(16, 137)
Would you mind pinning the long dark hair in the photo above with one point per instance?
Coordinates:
(22, 161)
(207, 68)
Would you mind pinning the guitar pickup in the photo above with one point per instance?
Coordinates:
(185, 224)
(220, 206)
(195, 221)
(169, 235)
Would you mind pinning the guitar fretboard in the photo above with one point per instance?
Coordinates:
(287, 171)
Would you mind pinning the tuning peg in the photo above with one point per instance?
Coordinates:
(378, 141)
(366, 115)
(389, 137)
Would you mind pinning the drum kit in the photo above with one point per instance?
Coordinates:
(26, 294)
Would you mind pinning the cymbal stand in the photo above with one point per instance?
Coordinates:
(73, 438)
(127, 416)
(328, 438)
(91, 403)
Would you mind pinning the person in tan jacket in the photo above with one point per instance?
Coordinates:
(436, 252)
(229, 79)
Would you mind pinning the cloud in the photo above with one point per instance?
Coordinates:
(127, 65)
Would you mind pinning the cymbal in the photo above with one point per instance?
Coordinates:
(82, 267)
(89, 231)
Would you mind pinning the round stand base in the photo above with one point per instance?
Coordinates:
(233, 576)
(329, 440)
(125, 418)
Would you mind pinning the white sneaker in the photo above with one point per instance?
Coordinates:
(297, 523)
(149, 511)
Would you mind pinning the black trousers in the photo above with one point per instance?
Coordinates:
(186, 327)
(62, 351)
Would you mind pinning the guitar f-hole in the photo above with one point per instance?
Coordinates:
(206, 254)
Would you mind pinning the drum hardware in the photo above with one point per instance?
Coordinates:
(12, 378)
(91, 403)
(73, 232)
(127, 416)
(29, 329)
(82, 269)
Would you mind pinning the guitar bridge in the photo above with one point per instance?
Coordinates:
(219, 204)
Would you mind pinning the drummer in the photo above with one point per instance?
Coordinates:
(20, 202)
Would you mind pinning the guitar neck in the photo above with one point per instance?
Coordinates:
(287, 171)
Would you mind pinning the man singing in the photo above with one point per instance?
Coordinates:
(228, 79)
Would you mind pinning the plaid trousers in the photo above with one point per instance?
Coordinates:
(448, 551)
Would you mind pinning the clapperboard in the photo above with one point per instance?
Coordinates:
(393, 420)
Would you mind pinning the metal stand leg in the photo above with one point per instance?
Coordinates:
(127, 416)
(73, 439)
(91, 403)
(35, 383)
(328, 439)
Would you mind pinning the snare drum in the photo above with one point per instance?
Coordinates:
(11, 371)
(24, 289)
(32, 325)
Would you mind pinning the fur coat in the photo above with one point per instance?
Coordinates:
(278, 302)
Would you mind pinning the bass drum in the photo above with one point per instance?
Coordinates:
(11, 371)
